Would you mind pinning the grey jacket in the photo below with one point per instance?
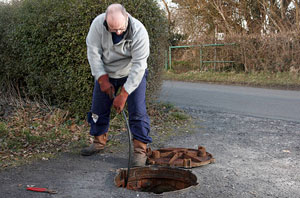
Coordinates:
(126, 58)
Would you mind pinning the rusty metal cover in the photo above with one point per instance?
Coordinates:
(180, 157)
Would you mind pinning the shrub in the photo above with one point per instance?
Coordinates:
(273, 53)
(6, 57)
(251, 53)
(48, 47)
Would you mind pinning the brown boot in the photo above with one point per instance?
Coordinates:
(97, 146)
(139, 154)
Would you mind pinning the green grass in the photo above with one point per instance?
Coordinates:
(284, 80)
(3, 129)
(179, 116)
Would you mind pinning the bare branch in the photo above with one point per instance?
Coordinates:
(220, 11)
(168, 11)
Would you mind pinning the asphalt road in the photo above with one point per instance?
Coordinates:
(253, 134)
(266, 103)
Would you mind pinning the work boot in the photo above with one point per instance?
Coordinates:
(139, 153)
(97, 146)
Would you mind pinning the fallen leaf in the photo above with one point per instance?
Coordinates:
(73, 127)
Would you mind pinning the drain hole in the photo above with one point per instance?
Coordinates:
(156, 179)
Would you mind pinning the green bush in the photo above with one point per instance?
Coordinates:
(47, 55)
(6, 57)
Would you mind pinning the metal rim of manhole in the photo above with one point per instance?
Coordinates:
(156, 179)
(179, 157)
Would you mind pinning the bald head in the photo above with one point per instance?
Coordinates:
(115, 8)
(116, 18)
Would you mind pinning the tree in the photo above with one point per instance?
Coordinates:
(236, 16)
(168, 11)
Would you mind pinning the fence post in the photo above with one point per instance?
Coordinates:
(215, 58)
(166, 59)
(201, 61)
(170, 58)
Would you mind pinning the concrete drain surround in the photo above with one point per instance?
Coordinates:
(156, 179)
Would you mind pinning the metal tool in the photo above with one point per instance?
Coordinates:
(130, 148)
(129, 145)
(45, 190)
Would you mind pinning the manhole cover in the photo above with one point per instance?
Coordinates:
(156, 179)
(180, 157)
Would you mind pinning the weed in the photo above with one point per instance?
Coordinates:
(179, 116)
(3, 129)
(31, 138)
(168, 106)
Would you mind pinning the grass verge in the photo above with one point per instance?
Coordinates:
(282, 80)
(34, 131)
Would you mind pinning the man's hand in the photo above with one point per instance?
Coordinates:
(106, 86)
(120, 100)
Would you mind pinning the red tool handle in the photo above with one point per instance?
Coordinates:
(41, 190)
(37, 189)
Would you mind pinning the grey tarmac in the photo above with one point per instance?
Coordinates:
(257, 154)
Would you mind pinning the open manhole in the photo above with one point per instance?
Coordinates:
(156, 179)
(179, 157)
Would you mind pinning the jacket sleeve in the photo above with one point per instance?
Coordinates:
(140, 52)
(94, 50)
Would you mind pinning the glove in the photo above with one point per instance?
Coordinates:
(120, 100)
(106, 86)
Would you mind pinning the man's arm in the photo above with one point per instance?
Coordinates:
(140, 52)
(94, 50)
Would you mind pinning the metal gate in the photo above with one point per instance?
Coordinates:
(202, 58)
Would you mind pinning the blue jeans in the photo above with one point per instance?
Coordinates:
(139, 121)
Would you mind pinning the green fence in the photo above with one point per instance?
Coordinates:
(201, 59)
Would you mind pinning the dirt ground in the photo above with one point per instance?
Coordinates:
(255, 157)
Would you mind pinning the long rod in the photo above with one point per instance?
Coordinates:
(130, 146)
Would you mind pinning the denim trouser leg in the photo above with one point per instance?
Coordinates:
(138, 118)
(101, 105)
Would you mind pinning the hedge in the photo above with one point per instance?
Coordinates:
(43, 47)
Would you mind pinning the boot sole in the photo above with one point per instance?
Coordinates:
(92, 153)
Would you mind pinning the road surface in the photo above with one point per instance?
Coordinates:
(266, 103)
(252, 133)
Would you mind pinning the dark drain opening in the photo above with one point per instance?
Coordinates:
(156, 179)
